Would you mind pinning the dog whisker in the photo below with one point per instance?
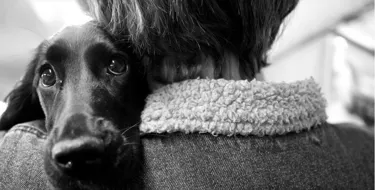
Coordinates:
(128, 128)
(128, 144)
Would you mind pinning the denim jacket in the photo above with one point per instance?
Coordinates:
(217, 134)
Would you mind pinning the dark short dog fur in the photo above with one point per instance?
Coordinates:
(90, 90)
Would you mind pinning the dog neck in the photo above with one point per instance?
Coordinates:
(177, 67)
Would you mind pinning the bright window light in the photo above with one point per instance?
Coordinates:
(67, 11)
(3, 106)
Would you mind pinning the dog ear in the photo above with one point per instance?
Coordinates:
(23, 102)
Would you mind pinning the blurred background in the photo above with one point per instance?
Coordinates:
(329, 40)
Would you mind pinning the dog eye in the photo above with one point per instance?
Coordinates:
(47, 76)
(117, 66)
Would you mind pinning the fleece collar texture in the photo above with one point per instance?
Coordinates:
(225, 107)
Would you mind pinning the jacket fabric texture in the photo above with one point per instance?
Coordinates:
(221, 134)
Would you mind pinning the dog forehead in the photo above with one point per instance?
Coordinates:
(74, 42)
(67, 50)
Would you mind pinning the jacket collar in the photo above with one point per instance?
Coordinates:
(225, 107)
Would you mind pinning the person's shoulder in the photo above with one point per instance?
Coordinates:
(35, 128)
(353, 131)
(357, 140)
(21, 155)
(2, 134)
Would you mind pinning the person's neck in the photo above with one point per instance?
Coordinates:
(201, 66)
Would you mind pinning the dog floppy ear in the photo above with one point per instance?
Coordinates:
(23, 102)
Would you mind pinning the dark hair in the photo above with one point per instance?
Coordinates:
(185, 30)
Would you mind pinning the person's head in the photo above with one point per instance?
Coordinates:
(187, 39)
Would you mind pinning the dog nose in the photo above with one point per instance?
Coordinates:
(79, 153)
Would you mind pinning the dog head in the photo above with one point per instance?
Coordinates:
(91, 91)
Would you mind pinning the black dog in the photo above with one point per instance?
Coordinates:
(90, 90)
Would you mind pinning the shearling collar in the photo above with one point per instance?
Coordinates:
(234, 107)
